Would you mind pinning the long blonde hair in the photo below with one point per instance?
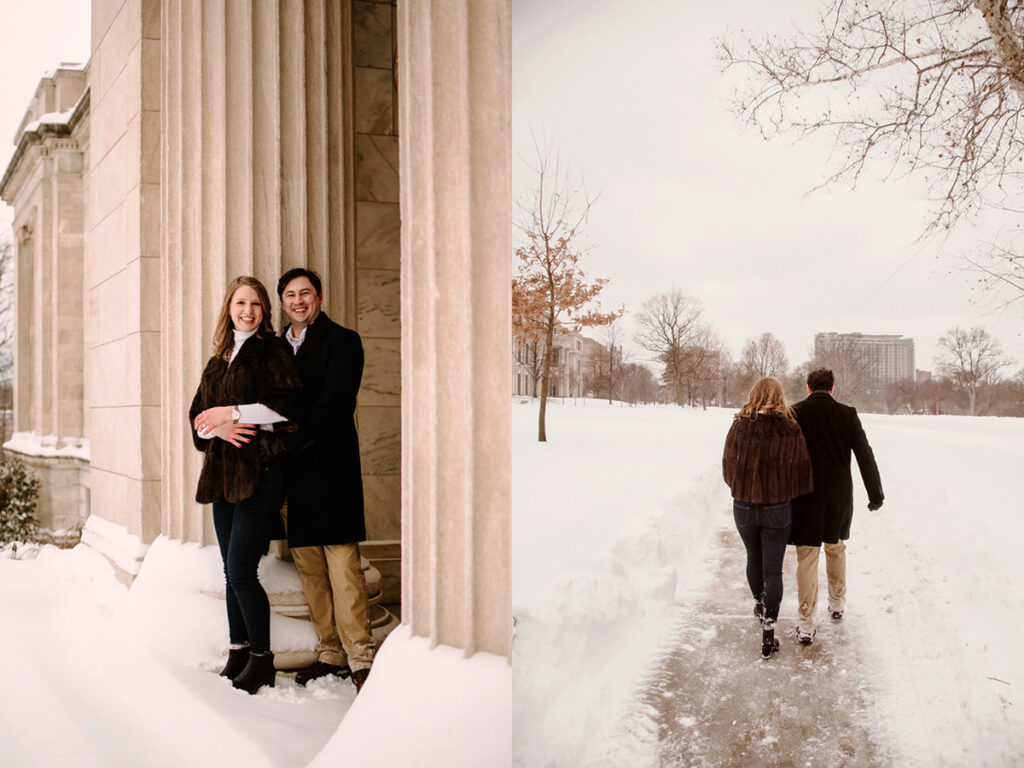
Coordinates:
(766, 398)
(223, 338)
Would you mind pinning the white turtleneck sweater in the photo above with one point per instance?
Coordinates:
(250, 413)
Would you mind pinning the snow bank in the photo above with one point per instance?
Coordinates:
(113, 540)
(48, 446)
(611, 520)
(428, 707)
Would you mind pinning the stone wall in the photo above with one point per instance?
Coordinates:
(122, 276)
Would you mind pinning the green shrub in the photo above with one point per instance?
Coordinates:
(19, 489)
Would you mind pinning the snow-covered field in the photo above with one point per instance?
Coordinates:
(615, 522)
(613, 525)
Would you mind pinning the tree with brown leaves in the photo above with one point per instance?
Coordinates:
(550, 290)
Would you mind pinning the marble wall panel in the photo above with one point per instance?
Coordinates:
(119, 301)
(107, 244)
(125, 501)
(110, 116)
(383, 501)
(114, 44)
(374, 100)
(377, 235)
(114, 374)
(380, 434)
(116, 440)
(376, 168)
(372, 35)
(379, 303)
(382, 374)
(117, 174)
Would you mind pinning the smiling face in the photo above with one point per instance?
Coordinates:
(246, 309)
(301, 303)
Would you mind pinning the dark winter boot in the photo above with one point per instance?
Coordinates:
(257, 673)
(769, 645)
(359, 678)
(237, 659)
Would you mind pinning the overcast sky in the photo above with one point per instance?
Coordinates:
(691, 198)
(688, 197)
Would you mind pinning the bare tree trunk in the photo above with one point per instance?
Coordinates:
(542, 434)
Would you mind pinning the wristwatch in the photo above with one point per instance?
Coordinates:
(235, 414)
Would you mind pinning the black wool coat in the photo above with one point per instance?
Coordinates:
(765, 460)
(832, 431)
(323, 473)
(262, 372)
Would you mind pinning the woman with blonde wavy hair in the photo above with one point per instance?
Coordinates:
(248, 390)
(766, 465)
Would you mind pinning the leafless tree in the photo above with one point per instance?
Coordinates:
(613, 357)
(638, 384)
(851, 366)
(762, 357)
(671, 327)
(971, 359)
(550, 289)
(929, 87)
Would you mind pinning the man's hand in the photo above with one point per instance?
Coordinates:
(873, 505)
(236, 434)
(211, 418)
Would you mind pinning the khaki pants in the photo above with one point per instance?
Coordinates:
(807, 581)
(335, 587)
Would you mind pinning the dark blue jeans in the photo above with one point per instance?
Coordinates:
(243, 533)
(764, 529)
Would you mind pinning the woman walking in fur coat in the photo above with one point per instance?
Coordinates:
(249, 386)
(766, 465)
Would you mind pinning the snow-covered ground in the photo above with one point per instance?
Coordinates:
(614, 523)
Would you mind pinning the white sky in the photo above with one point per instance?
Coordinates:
(35, 37)
(691, 198)
(688, 196)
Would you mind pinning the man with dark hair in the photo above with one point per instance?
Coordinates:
(832, 430)
(325, 484)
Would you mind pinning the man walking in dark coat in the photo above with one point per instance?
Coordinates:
(832, 430)
(325, 484)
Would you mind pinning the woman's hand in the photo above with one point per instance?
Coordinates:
(211, 418)
(236, 434)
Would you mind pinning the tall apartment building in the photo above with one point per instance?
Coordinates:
(891, 357)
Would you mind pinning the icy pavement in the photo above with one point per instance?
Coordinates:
(713, 701)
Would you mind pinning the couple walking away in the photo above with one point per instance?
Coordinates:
(789, 471)
(274, 417)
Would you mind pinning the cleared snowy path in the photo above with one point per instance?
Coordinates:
(715, 702)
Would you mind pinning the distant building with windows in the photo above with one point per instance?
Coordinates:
(573, 358)
(890, 357)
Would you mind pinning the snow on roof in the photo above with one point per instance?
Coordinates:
(50, 118)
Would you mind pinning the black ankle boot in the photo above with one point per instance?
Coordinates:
(257, 673)
(237, 659)
(769, 645)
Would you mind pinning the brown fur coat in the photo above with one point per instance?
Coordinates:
(766, 460)
(262, 372)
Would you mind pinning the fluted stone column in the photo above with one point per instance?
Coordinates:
(261, 106)
(454, 128)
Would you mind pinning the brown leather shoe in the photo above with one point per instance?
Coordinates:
(319, 669)
(359, 678)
